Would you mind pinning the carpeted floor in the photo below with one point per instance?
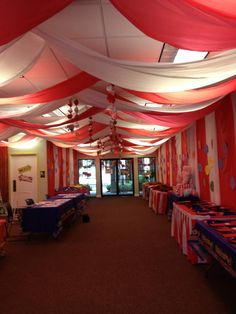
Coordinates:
(122, 262)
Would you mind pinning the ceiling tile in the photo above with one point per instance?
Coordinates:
(18, 87)
(96, 44)
(77, 20)
(135, 48)
(116, 24)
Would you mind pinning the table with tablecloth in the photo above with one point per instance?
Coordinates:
(3, 234)
(158, 201)
(182, 224)
(219, 239)
(146, 187)
(78, 199)
(47, 216)
(173, 198)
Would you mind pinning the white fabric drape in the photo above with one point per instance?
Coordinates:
(146, 77)
(19, 57)
(97, 99)
(103, 118)
(145, 143)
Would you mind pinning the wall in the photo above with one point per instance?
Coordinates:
(40, 151)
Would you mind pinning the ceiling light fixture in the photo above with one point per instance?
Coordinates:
(183, 56)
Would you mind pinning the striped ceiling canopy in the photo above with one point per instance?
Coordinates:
(115, 76)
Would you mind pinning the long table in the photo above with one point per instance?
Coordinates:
(47, 216)
(220, 242)
(78, 199)
(182, 224)
(158, 201)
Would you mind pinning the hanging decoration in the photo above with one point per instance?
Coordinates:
(90, 129)
(100, 147)
(73, 111)
(111, 93)
(116, 141)
(86, 174)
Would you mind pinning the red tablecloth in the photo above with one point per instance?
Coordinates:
(158, 201)
(146, 190)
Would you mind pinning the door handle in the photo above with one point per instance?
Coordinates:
(14, 185)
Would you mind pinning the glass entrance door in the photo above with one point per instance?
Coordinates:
(125, 177)
(146, 170)
(117, 176)
(109, 176)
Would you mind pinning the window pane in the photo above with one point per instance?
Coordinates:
(146, 170)
(87, 174)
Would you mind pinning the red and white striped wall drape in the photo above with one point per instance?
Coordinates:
(209, 146)
(62, 164)
(4, 173)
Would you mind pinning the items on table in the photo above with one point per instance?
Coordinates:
(77, 188)
(184, 217)
(218, 237)
(51, 215)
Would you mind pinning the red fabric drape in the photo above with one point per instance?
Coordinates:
(181, 23)
(202, 160)
(19, 16)
(51, 169)
(4, 173)
(184, 147)
(156, 134)
(174, 165)
(162, 164)
(60, 167)
(27, 125)
(72, 137)
(168, 163)
(226, 153)
(158, 165)
(191, 96)
(220, 7)
(76, 166)
(67, 167)
(174, 119)
(59, 91)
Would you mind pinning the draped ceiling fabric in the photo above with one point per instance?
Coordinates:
(147, 77)
(187, 24)
(60, 52)
(18, 17)
(17, 58)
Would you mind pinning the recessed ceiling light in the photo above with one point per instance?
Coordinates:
(153, 104)
(183, 56)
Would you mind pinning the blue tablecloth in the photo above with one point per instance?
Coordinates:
(76, 198)
(43, 217)
(217, 245)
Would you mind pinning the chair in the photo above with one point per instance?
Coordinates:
(9, 212)
(14, 218)
(8, 217)
(29, 201)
